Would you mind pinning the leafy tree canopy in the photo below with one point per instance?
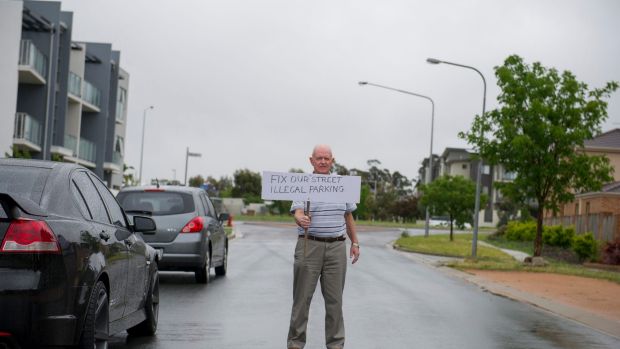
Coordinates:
(451, 196)
(196, 181)
(538, 132)
(247, 185)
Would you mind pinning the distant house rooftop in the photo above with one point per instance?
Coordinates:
(613, 187)
(607, 140)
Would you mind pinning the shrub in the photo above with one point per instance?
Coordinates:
(521, 231)
(611, 252)
(404, 234)
(558, 236)
(585, 246)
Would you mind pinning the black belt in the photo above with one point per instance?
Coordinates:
(327, 239)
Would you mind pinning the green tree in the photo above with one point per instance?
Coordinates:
(128, 176)
(196, 181)
(362, 211)
(539, 131)
(451, 196)
(220, 187)
(247, 185)
(340, 169)
(386, 193)
(406, 207)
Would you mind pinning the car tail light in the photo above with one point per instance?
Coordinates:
(5, 334)
(29, 236)
(194, 226)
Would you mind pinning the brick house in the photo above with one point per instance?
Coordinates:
(596, 212)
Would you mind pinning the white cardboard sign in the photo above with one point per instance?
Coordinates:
(311, 187)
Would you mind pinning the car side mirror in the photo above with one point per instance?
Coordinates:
(144, 225)
(223, 217)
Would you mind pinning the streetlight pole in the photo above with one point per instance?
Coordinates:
(474, 243)
(429, 171)
(142, 147)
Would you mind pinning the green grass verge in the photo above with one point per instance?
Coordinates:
(501, 242)
(493, 259)
(442, 246)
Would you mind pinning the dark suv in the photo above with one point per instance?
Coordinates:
(190, 235)
(72, 270)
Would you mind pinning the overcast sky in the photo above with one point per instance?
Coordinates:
(255, 84)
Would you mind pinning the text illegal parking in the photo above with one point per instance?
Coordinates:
(310, 187)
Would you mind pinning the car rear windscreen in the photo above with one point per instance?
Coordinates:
(160, 203)
(25, 181)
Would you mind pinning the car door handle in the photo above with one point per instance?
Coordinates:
(104, 236)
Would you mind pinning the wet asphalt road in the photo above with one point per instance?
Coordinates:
(390, 302)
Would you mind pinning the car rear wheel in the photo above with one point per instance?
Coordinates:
(221, 270)
(95, 333)
(203, 275)
(148, 327)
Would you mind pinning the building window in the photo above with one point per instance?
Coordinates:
(464, 166)
(486, 169)
(510, 176)
(121, 104)
(587, 208)
(577, 209)
(119, 145)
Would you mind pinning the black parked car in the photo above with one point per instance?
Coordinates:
(72, 270)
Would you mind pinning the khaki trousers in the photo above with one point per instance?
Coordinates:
(327, 261)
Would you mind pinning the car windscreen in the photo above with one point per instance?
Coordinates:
(159, 203)
(25, 181)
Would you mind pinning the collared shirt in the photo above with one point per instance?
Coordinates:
(326, 219)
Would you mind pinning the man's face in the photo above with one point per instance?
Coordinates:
(322, 161)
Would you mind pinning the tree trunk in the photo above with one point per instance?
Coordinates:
(539, 229)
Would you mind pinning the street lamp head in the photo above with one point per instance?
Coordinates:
(433, 60)
(362, 83)
(151, 107)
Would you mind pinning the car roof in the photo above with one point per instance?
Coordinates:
(37, 163)
(168, 188)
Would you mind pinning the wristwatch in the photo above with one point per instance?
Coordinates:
(355, 244)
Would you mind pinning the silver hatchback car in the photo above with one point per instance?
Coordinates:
(189, 235)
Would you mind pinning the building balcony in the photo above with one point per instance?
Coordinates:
(75, 87)
(117, 158)
(116, 165)
(91, 97)
(87, 152)
(32, 64)
(69, 148)
(27, 132)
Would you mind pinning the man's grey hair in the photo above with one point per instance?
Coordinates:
(322, 146)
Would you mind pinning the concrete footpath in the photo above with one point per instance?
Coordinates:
(590, 319)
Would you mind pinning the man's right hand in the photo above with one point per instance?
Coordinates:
(302, 220)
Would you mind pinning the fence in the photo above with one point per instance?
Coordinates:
(604, 226)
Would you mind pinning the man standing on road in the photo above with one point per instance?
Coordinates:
(322, 256)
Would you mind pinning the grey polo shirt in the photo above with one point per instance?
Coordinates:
(326, 219)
